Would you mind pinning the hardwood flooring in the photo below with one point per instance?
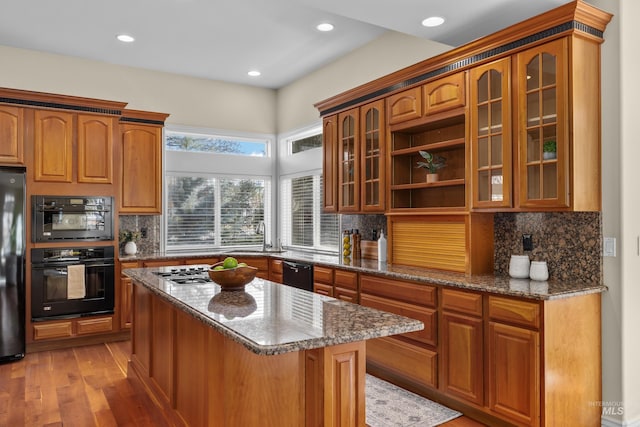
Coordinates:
(83, 387)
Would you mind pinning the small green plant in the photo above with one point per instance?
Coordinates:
(549, 147)
(129, 236)
(431, 162)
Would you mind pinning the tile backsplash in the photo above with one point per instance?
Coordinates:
(146, 245)
(365, 224)
(570, 243)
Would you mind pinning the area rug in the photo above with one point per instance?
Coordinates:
(391, 406)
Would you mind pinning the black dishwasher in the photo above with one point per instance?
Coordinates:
(298, 274)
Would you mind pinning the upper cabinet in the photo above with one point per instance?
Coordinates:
(11, 134)
(490, 134)
(354, 145)
(444, 94)
(542, 131)
(141, 162)
(53, 146)
(95, 148)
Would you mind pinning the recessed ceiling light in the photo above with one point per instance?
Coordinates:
(254, 73)
(433, 21)
(325, 26)
(125, 38)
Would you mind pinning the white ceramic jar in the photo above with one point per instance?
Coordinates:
(519, 266)
(539, 271)
(130, 248)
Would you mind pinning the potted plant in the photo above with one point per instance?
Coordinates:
(549, 150)
(129, 238)
(432, 163)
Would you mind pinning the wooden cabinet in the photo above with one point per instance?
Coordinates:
(404, 106)
(514, 353)
(323, 280)
(53, 146)
(462, 361)
(345, 285)
(445, 93)
(71, 328)
(95, 149)
(348, 161)
(126, 290)
(543, 113)
(330, 164)
(412, 355)
(490, 134)
(141, 162)
(11, 134)
(373, 149)
(275, 270)
(357, 173)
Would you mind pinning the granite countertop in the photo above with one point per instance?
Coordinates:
(523, 288)
(268, 318)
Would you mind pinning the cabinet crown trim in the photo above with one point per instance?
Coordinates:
(577, 16)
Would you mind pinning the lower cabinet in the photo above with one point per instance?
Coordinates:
(500, 359)
(323, 280)
(413, 355)
(462, 345)
(72, 327)
(275, 270)
(345, 285)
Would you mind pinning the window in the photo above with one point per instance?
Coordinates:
(302, 221)
(202, 143)
(205, 212)
(304, 144)
(217, 190)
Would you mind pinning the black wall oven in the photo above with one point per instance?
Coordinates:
(69, 218)
(71, 282)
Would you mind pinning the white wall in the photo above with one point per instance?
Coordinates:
(390, 52)
(190, 101)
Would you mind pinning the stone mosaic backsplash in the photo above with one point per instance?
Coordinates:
(570, 243)
(146, 245)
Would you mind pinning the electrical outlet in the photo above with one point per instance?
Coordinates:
(143, 232)
(527, 242)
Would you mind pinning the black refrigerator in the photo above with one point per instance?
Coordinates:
(12, 263)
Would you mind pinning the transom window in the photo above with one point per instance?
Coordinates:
(203, 143)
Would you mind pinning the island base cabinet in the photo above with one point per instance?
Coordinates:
(199, 377)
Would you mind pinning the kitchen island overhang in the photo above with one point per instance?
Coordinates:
(268, 355)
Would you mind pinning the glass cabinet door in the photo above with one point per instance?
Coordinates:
(372, 140)
(491, 134)
(542, 99)
(348, 173)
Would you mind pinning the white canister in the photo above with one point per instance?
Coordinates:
(519, 266)
(539, 271)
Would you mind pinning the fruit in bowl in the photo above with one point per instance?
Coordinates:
(232, 275)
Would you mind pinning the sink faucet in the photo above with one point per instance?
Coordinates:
(260, 229)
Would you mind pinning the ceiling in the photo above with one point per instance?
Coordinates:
(223, 40)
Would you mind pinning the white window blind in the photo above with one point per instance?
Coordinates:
(303, 223)
(205, 211)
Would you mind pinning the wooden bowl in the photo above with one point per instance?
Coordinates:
(232, 279)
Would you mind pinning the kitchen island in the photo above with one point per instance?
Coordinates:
(268, 355)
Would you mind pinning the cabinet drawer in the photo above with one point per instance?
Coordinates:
(406, 105)
(346, 279)
(262, 264)
(514, 311)
(399, 290)
(322, 289)
(125, 265)
(209, 261)
(346, 295)
(426, 315)
(52, 330)
(162, 263)
(444, 94)
(323, 275)
(462, 302)
(92, 326)
(413, 362)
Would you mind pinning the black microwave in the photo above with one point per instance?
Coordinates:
(71, 218)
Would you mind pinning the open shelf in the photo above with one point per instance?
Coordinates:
(408, 186)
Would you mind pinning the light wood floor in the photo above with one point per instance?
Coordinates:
(83, 387)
